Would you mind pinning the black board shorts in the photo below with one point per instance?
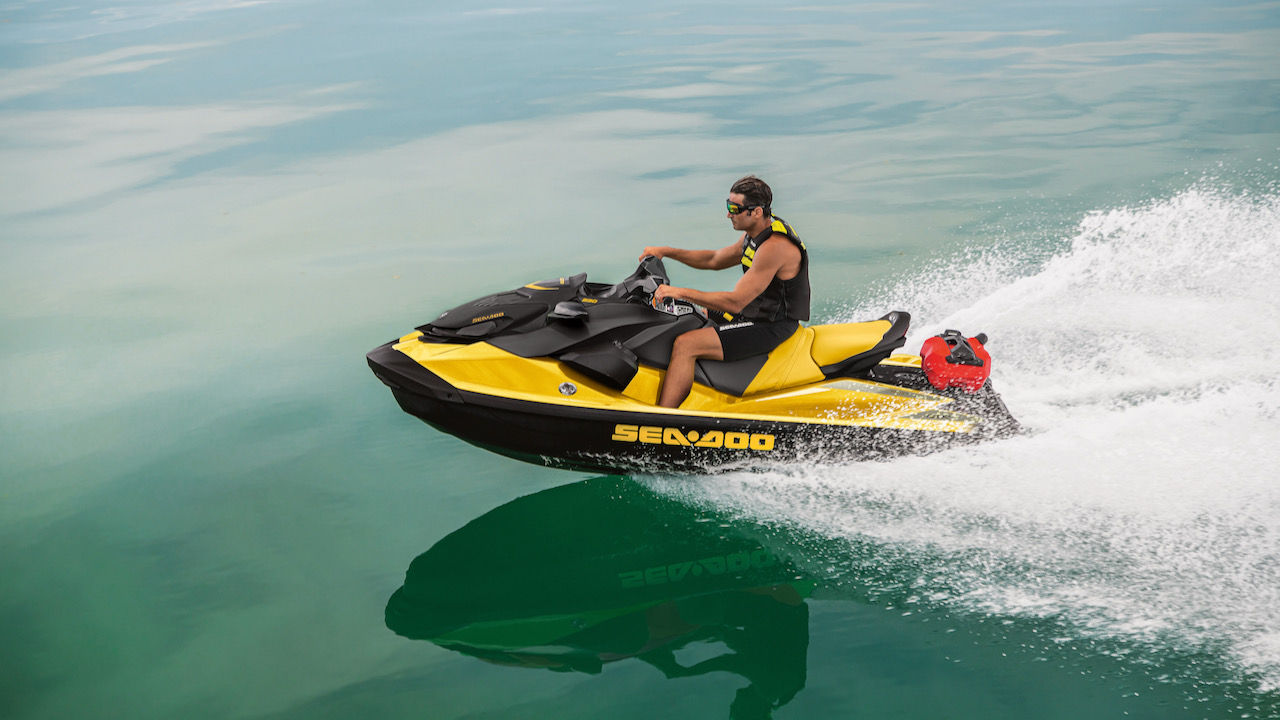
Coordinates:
(743, 339)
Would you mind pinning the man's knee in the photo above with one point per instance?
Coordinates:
(683, 345)
(701, 343)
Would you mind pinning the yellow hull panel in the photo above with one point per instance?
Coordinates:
(484, 369)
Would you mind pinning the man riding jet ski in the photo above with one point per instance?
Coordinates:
(567, 373)
(765, 306)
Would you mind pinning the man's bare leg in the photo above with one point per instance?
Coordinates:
(688, 348)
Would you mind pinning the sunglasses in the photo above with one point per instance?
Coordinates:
(734, 208)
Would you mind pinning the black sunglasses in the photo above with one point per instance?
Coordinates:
(734, 208)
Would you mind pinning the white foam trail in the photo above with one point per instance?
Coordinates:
(1142, 504)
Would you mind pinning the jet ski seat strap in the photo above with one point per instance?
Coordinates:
(851, 349)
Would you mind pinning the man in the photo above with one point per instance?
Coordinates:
(763, 308)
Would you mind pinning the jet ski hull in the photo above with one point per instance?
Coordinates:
(601, 439)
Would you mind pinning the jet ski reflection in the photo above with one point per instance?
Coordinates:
(604, 570)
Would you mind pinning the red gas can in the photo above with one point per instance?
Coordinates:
(949, 360)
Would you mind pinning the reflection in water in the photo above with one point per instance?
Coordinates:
(612, 569)
(604, 570)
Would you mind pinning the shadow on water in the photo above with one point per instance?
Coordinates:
(603, 571)
(607, 570)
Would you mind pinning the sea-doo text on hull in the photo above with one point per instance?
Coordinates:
(566, 373)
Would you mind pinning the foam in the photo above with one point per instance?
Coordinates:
(1141, 504)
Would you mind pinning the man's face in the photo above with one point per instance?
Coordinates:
(743, 219)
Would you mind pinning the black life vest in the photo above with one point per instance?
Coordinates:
(782, 299)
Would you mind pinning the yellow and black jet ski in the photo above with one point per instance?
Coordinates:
(566, 373)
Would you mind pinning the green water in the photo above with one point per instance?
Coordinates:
(210, 211)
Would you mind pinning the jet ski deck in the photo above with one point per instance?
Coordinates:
(567, 374)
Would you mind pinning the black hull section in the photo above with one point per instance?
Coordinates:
(596, 440)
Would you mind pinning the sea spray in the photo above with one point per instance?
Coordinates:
(1140, 506)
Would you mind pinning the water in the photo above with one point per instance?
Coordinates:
(210, 211)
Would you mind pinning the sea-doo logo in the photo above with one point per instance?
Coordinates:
(734, 563)
(475, 320)
(652, 435)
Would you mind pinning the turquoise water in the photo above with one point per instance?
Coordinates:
(209, 211)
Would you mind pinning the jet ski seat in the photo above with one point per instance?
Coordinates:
(851, 349)
(826, 351)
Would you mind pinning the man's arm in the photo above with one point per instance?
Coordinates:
(774, 254)
(725, 257)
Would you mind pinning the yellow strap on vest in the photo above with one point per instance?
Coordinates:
(781, 227)
(749, 254)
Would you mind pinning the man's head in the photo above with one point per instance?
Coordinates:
(750, 202)
(755, 192)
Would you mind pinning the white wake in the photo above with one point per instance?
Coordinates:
(1142, 504)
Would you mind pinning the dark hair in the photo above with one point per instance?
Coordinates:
(755, 192)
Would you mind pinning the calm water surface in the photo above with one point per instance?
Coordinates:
(210, 210)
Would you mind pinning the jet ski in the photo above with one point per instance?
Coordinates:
(566, 373)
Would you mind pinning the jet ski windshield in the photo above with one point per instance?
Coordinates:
(639, 286)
